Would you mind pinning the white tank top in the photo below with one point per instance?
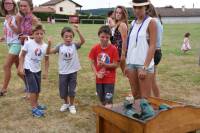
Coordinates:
(10, 36)
(137, 52)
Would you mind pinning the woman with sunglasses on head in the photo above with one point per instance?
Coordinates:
(120, 33)
(11, 33)
(141, 45)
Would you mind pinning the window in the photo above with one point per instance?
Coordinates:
(61, 9)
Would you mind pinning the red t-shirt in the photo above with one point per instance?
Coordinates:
(107, 55)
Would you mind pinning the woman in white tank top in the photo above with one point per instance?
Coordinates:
(141, 44)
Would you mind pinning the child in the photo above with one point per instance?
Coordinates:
(68, 66)
(11, 34)
(104, 61)
(186, 44)
(30, 66)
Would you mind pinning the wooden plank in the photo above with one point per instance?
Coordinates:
(125, 124)
(176, 120)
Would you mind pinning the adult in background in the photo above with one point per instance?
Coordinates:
(158, 54)
(141, 48)
(120, 34)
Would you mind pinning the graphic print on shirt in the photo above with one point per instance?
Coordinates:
(67, 54)
(103, 57)
(37, 55)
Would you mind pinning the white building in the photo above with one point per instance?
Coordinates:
(65, 7)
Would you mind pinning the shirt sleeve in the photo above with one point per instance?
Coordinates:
(25, 47)
(78, 46)
(57, 48)
(92, 54)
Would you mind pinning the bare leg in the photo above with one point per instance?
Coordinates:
(71, 99)
(145, 85)
(155, 88)
(134, 83)
(10, 59)
(66, 100)
(33, 99)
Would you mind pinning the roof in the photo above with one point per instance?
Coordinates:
(44, 9)
(54, 2)
(178, 12)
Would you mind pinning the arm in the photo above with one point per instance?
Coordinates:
(18, 21)
(21, 63)
(82, 40)
(35, 20)
(97, 74)
(152, 42)
(109, 66)
(123, 29)
(49, 49)
(46, 67)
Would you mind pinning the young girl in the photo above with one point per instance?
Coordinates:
(141, 48)
(30, 67)
(68, 66)
(11, 34)
(104, 61)
(186, 43)
(120, 34)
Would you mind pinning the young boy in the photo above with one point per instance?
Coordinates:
(69, 65)
(104, 61)
(30, 59)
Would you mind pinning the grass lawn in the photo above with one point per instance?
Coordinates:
(178, 77)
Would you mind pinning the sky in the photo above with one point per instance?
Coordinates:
(93, 4)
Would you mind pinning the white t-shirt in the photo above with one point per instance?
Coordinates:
(68, 58)
(34, 55)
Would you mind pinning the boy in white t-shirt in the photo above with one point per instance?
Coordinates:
(69, 65)
(31, 56)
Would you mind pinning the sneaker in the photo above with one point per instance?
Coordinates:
(72, 109)
(37, 113)
(64, 107)
(42, 107)
(147, 109)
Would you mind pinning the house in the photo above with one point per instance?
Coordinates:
(65, 7)
(179, 15)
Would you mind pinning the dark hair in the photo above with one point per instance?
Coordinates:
(67, 29)
(104, 29)
(3, 10)
(30, 3)
(151, 11)
(124, 14)
(139, 1)
(187, 34)
(38, 27)
(110, 13)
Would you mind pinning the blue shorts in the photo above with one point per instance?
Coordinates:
(32, 81)
(136, 67)
(14, 48)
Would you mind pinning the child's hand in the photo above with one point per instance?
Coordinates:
(49, 39)
(20, 71)
(101, 63)
(76, 27)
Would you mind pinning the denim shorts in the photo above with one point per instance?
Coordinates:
(32, 81)
(136, 67)
(67, 84)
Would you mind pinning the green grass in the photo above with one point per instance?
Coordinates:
(178, 77)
